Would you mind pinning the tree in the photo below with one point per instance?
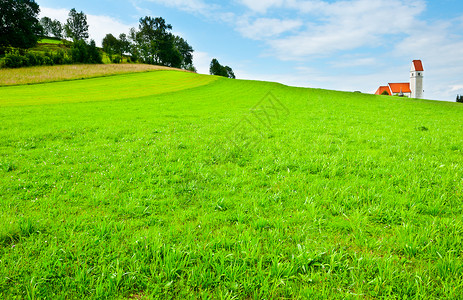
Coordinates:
(110, 45)
(230, 73)
(79, 52)
(168, 54)
(386, 93)
(460, 98)
(45, 22)
(186, 51)
(94, 55)
(123, 45)
(76, 26)
(153, 43)
(19, 26)
(85, 53)
(51, 27)
(56, 29)
(217, 69)
(150, 38)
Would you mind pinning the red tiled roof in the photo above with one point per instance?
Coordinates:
(381, 89)
(400, 87)
(418, 65)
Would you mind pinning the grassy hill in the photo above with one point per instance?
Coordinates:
(177, 185)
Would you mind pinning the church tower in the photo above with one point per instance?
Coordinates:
(416, 79)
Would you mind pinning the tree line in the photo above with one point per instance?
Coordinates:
(151, 43)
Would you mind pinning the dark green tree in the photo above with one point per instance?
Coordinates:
(76, 26)
(153, 43)
(123, 44)
(186, 52)
(56, 29)
(45, 22)
(79, 52)
(151, 38)
(110, 45)
(85, 53)
(51, 27)
(230, 73)
(386, 93)
(94, 55)
(217, 69)
(168, 54)
(19, 26)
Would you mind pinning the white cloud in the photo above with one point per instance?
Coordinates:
(455, 88)
(192, 6)
(347, 25)
(53, 13)
(202, 60)
(262, 6)
(264, 28)
(349, 62)
(99, 26)
(141, 10)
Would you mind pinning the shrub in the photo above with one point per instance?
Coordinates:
(385, 93)
(58, 58)
(47, 60)
(17, 58)
(32, 59)
(14, 59)
(117, 59)
(79, 52)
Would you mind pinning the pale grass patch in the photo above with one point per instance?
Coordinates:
(42, 74)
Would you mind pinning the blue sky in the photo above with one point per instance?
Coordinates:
(342, 45)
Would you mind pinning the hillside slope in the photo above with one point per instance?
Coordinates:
(179, 185)
(45, 74)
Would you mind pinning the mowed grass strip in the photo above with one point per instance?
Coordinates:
(125, 86)
(41, 74)
(50, 41)
(234, 189)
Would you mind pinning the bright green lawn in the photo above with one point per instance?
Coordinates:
(140, 194)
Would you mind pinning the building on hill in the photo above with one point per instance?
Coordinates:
(414, 89)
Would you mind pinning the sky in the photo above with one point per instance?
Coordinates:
(348, 45)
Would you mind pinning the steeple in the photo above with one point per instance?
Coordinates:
(416, 79)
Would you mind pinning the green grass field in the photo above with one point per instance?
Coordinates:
(177, 185)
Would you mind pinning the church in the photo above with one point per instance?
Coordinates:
(412, 89)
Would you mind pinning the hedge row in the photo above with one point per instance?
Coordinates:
(16, 58)
(80, 52)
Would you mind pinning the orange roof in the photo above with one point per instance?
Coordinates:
(418, 65)
(383, 88)
(400, 87)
